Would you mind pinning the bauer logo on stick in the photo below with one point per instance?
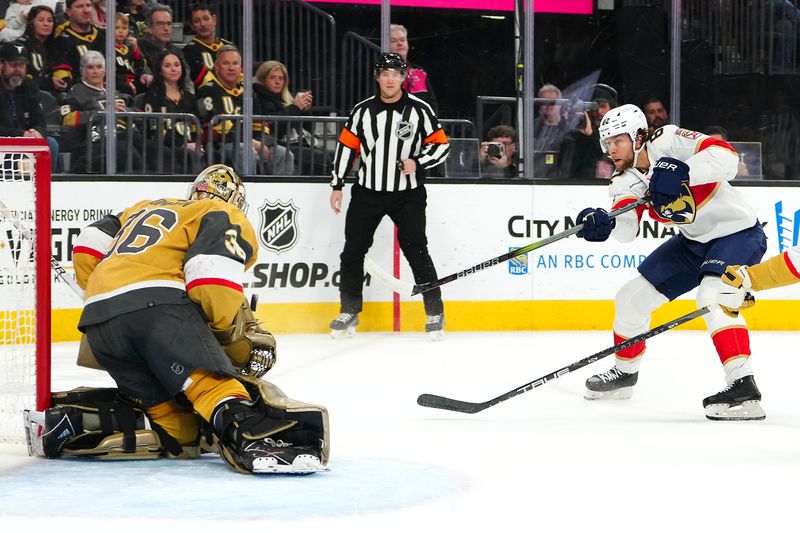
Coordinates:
(278, 230)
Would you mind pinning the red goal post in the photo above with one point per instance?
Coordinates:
(25, 281)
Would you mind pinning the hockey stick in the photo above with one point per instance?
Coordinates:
(54, 264)
(440, 402)
(405, 287)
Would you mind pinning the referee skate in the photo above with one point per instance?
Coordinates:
(344, 325)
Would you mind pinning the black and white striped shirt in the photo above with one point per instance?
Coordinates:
(382, 134)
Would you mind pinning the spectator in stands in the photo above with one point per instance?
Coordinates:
(130, 63)
(81, 125)
(550, 126)
(784, 18)
(201, 52)
(99, 13)
(74, 38)
(549, 129)
(656, 113)
(167, 94)
(223, 95)
(159, 38)
(581, 156)
(15, 19)
(720, 133)
(499, 157)
(271, 96)
(38, 41)
(20, 108)
(137, 15)
(416, 81)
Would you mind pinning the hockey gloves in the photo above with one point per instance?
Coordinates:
(666, 183)
(597, 225)
(735, 292)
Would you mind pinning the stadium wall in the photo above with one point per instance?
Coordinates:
(567, 285)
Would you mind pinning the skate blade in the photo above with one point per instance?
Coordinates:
(301, 465)
(620, 394)
(343, 333)
(746, 411)
(436, 336)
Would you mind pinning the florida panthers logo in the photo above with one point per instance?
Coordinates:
(278, 229)
(682, 210)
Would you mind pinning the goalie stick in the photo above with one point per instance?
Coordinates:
(60, 272)
(440, 402)
(404, 287)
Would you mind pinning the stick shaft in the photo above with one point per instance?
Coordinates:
(423, 287)
(54, 264)
(449, 404)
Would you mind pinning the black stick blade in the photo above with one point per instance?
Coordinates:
(448, 404)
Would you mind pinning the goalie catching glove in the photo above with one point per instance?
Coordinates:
(251, 349)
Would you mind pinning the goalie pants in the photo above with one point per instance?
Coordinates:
(365, 212)
(151, 352)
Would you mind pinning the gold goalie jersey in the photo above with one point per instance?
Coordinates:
(166, 251)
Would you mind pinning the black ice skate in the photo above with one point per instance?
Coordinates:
(613, 384)
(741, 400)
(268, 456)
(434, 327)
(344, 325)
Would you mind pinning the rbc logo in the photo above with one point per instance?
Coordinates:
(518, 266)
(788, 227)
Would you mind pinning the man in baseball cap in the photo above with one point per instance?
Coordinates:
(13, 52)
(20, 106)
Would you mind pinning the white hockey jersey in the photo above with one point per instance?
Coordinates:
(709, 208)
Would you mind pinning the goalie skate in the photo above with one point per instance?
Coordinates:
(268, 456)
(741, 400)
(613, 384)
(344, 325)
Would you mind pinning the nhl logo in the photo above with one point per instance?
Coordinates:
(404, 130)
(278, 225)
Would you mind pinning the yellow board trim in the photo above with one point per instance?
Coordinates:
(477, 316)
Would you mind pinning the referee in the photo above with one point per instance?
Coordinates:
(397, 138)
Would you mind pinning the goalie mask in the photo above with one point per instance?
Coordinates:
(627, 119)
(219, 181)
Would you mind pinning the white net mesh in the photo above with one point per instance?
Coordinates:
(17, 293)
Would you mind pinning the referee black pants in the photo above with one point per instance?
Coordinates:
(407, 210)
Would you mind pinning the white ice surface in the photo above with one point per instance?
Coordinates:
(544, 461)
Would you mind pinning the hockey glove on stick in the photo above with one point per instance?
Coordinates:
(666, 183)
(597, 225)
(735, 295)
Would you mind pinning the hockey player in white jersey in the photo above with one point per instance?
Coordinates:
(685, 175)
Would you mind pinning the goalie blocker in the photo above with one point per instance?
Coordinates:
(102, 424)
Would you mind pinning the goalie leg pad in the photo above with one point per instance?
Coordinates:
(96, 423)
(276, 419)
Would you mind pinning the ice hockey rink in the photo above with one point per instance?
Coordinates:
(547, 460)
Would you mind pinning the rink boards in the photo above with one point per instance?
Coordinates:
(569, 284)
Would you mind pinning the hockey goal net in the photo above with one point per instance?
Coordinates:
(25, 279)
